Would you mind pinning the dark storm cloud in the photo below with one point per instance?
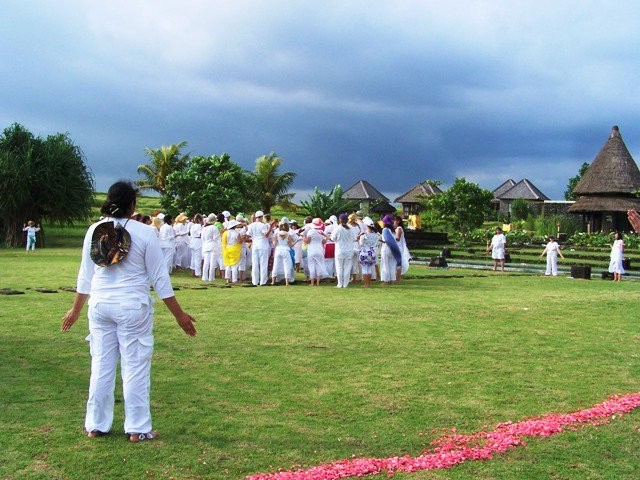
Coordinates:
(393, 92)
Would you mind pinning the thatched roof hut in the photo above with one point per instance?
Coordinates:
(411, 199)
(364, 192)
(607, 189)
(510, 190)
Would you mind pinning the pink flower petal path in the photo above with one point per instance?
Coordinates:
(453, 449)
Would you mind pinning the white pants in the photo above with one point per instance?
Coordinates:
(282, 264)
(259, 266)
(31, 242)
(196, 261)
(231, 272)
(125, 332)
(552, 264)
(316, 265)
(210, 265)
(343, 270)
(169, 254)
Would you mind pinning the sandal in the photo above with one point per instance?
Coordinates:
(143, 437)
(96, 433)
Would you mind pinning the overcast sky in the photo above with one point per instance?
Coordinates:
(394, 92)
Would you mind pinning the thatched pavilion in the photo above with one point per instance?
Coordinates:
(412, 199)
(607, 189)
(365, 193)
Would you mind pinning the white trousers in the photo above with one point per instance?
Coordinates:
(210, 265)
(343, 270)
(125, 332)
(169, 254)
(196, 261)
(231, 272)
(552, 263)
(260, 265)
(282, 264)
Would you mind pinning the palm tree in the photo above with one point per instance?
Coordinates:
(272, 187)
(164, 161)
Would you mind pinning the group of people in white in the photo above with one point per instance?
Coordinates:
(345, 248)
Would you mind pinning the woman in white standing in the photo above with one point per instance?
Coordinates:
(168, 242)
(195, 244)
(498, 248)
(282, 261)
(552, 249)
(181, 231)
(210, 252)
(344, 237)
(390, 255)
(402, 244)
(121, 314)
(315, 239)
(617, 255)
(232, 240)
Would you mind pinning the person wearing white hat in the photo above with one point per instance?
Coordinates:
(210, 249)
(282, 258)
(226, 214)
(245, 257)
(367, 256)
(315, 239)
(259, 233)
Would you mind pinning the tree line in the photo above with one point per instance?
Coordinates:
(47, 179)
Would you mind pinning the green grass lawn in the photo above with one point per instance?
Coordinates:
(279, 377)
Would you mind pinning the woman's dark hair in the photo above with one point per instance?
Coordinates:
(168, 219)
(197, 219)
(120, 196)
(220, 218)
(146, 220)
(308, 219)
(400, 221)
(619, 235)
(284, 227)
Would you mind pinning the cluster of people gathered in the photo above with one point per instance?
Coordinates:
(346, 248)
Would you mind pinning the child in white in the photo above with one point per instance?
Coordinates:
(31, 228)
(552, 250)
(617, 251)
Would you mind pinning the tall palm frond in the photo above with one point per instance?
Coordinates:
(164, 161)
(272, 187)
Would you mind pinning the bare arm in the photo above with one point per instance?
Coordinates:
(72, 315)
(183, 318)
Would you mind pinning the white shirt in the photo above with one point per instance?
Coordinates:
(210, 238)
(167, 236)
(257, 232)
(344, 239)
(127, 282)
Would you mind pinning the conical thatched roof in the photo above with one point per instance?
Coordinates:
(363, 190)
(612, 172)
(414, 195)
(590, 203)
(524, 189)
(504, 188)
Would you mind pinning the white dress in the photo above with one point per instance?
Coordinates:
(498, 243)
(615, 266)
